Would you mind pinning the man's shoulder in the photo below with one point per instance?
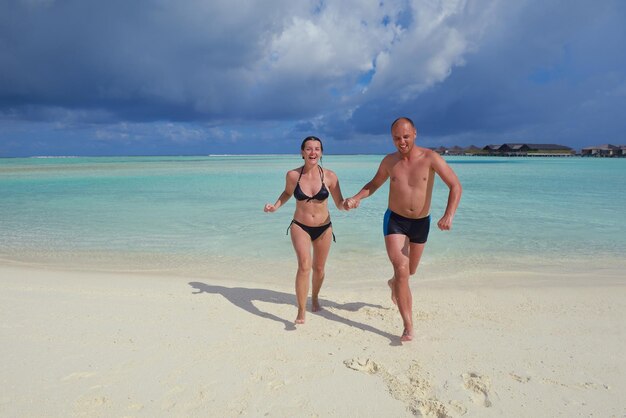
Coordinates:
(391, 157)
(426, 154)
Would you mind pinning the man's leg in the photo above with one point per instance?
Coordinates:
(415, 255)
(398, 251)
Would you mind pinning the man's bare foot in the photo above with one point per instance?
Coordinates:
(393, 291)
(315, 305)
(407, 336)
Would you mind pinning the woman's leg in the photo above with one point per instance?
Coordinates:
(302, 245)
(321, 248)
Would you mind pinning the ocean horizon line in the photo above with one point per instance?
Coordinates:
(170, 155)
(69, 157)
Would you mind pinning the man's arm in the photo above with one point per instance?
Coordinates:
(379, 179)
(449, 177)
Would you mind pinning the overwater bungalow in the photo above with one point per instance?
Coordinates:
(492, 149)
(473, 150)
(529, 150)
(441, 150)
(605, 150)
(456, 150)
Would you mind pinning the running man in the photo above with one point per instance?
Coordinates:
(406, 224)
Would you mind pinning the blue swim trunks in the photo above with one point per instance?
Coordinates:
(416, 229)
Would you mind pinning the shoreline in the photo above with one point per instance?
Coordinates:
(340, 272)
(121, 344)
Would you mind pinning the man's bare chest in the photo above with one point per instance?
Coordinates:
(415, 176)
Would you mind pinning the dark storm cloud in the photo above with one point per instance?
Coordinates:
(149, 60)
(139, 60)
(545, 73)
(197, 76)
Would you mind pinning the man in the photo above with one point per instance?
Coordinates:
(412, 172)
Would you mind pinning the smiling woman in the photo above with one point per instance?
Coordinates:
(310, 185)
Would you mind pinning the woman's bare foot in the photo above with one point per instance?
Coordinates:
(390, 283)
(407, 336)
(301, 316)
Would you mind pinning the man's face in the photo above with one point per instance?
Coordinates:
(403, 135)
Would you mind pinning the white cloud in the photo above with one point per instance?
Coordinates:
(442, 33)
(342, 38)
(224, 60)
(318, 60)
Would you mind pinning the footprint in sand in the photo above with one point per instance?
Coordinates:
(479, 386)
(521, 379)
(362, 365)
(379, 313)
(412, 388)
(458, 407)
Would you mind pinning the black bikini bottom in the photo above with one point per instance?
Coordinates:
(313, 231)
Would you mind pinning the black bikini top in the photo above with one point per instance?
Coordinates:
(321, 195)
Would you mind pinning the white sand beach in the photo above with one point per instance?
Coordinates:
(86, 344)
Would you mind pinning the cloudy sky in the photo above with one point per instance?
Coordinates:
(156, 77)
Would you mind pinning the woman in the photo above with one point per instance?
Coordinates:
(311, 227)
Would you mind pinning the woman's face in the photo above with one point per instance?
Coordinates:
(312, 151)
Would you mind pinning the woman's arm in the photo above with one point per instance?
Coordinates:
(284, 196)
(335, 189)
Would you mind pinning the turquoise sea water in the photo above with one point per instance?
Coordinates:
(204, 215)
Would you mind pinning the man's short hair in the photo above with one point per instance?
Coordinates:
(403, 118)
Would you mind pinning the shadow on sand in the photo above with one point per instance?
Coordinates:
(244, 297)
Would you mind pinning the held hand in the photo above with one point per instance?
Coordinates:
(269, 208)
(445, 223)
(351, 203)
